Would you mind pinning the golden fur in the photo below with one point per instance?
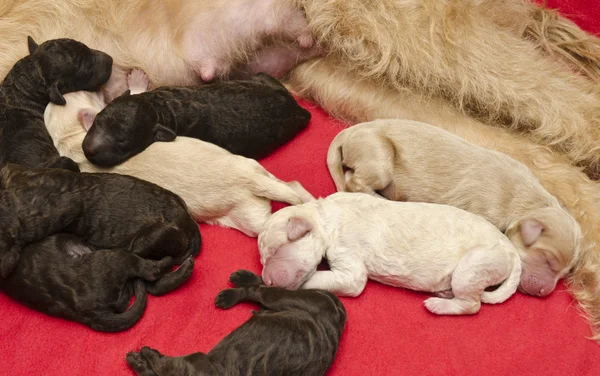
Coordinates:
(347, 97)
(467, 52)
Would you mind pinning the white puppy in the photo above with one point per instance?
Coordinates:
(404, 160)
(419, 246)
(217, 186)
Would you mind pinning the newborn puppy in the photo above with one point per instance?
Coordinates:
(296, 333)
(51, 69)
(217, 186)
(419, 246)
(107, 210)
(410, 161)
(63, 276)
(251, 118)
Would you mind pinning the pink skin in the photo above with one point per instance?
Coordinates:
(278, 59)
(242, 27)
(537, 281)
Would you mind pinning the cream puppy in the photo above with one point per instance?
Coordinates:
(217, 186)
(419, 246)
(410, 161)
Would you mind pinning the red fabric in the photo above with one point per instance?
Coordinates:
(388, 332)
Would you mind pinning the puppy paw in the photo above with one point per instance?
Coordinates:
(137, 362)
(160, 268)
(227, 299)
(454, 306)
(243, 278)
(150, 354)
(137, 81)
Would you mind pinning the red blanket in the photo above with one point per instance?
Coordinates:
(388, 332)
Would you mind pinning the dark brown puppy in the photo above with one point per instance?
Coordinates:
(51, 69)
(251, 118)
(296, 333)
(65, 277)
(107, 210)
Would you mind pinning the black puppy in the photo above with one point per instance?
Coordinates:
(250, 118)
(63, 276)
(107, 210)
(51, 69)
(297, 333)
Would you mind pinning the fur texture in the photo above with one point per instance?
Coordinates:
(356, 101)
(463, 51)
(296, 333)
(411, 161)
(173, 41)
(420, 246)
(51, 69)
(107, 210)
(63, 276)
(217, 186)
(250, 118)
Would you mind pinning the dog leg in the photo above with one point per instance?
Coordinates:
(343, 282)
(155, 241)
(245, 278)
(276, 299)
(250, 217)
(172, 280)
(478, 269)
(137, 81)
(137, 363)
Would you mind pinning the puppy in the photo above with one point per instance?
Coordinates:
(107, 210)
(63, 276)
(295, 333)
(251, 118)
(217, 186)
(419, 246)
(412, 161)
(51, 69)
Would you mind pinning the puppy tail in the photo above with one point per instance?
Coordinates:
(172, 280)
(114, 322)
(335, 161)
(508, 287)
(271, 188)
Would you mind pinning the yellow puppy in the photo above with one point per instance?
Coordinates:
(404, 160)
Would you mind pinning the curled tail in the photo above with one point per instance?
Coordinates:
(334, 161)
(114, 322)
(172, 280)
(508, 287)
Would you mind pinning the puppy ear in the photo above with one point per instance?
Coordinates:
(297, 227)
(31, 45)
(55, 96)
(163, 133)
(531, 230)
(86, 118)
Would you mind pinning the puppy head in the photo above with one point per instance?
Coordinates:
(126, 127)
(291, 246)
(64, 121)
(67, 65)
(549, 245)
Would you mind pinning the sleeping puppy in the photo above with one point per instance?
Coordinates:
(217, 186)
(107, 210)
(63, 276)
(410, 161)
(296, 333)
(419, 246)
(51, 69)
(251, 118)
